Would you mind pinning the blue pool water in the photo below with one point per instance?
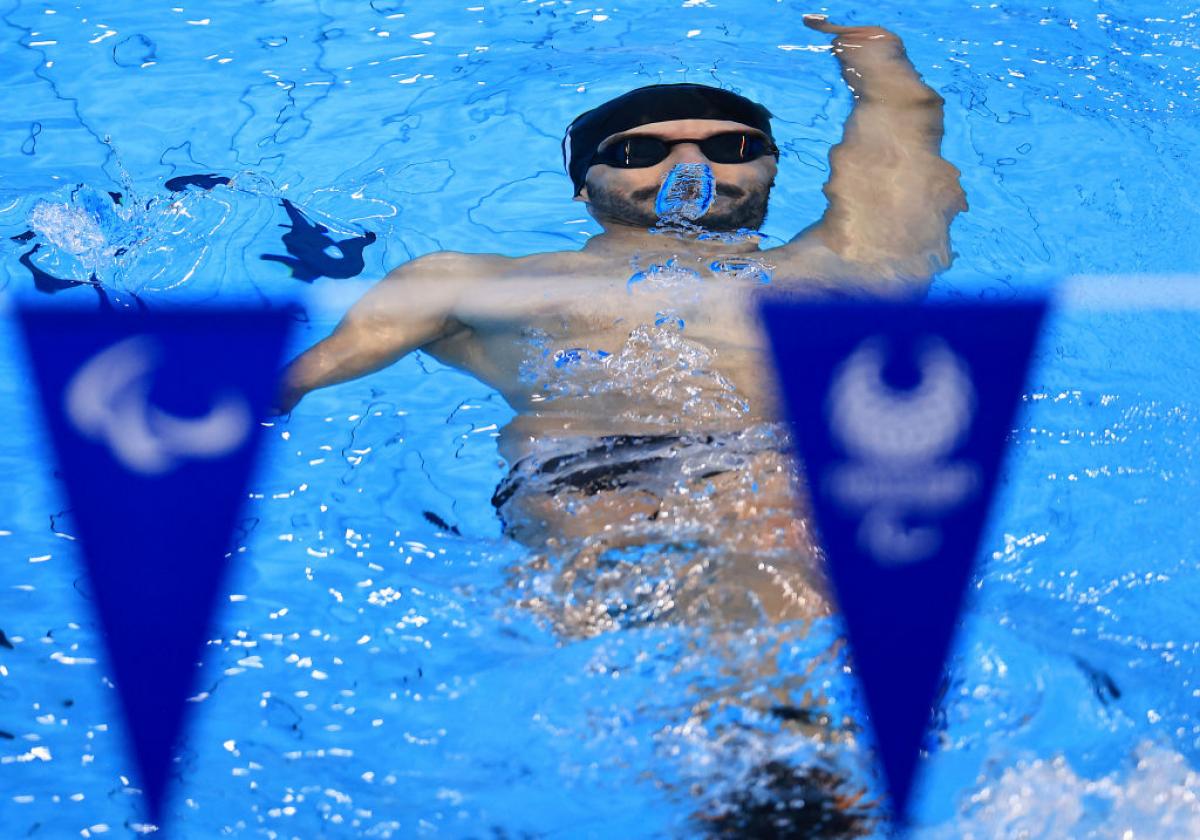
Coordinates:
(370, 672)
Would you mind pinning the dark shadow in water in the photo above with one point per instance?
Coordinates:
(306, 243)
(437, 521)
(205, 182)
(46, 282)
(49, 284)
(1103, 685)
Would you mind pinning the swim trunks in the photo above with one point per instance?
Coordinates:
(605, 466)
(613, 462)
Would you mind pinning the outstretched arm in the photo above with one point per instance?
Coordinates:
(891, 195)
(410, 307)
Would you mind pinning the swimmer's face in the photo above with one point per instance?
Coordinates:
(626, 196)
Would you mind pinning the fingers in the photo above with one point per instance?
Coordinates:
(821, 24)
(817, 22)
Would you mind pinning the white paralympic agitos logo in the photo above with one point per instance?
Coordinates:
(878, 422)
(899, 441)
(108, 399)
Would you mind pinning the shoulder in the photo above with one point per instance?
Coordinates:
(809, 257)
(445, 274)
(493, 265)
(808, 264)
(457, 263)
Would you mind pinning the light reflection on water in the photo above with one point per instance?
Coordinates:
(377, 676)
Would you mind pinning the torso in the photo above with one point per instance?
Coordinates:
(684, 348)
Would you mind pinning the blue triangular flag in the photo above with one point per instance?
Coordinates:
(155, 420)
(900, 414)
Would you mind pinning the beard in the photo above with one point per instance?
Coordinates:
(734, 208)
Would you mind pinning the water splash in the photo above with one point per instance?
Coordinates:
(660, 276)
(87, 228)
(658, 375)
(122, 240)
(1157, 796)
(742, 268)
(138, 241)
(669, 318)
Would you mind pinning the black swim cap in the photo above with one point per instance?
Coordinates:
(653, 103)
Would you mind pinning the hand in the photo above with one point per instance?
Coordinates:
(872, 38)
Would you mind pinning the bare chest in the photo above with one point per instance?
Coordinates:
(709, 299)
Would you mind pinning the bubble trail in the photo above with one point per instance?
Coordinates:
(687, 192)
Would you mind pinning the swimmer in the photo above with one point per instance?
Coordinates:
(651, 478)
(644, 415)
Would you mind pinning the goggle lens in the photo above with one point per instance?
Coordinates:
(638, 151)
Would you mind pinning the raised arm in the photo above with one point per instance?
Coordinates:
(410, 307)
(892, 196)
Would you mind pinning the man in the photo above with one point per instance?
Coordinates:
(645, 419)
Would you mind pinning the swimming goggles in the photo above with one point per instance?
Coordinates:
(641, 150)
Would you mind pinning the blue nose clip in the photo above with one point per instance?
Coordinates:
(687, 192)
